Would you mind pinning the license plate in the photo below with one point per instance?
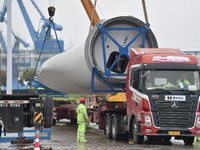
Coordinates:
(174, 132)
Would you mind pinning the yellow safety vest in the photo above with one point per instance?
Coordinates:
(82, 116)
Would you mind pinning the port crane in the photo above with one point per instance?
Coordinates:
(37, 36)
(15, 49)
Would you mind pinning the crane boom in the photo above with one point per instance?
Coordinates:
(3, 12)
(57, 27)
(3, 43)
(88, 6)
(18, 38)
(34, 4)
(28, 21)
(36, 35)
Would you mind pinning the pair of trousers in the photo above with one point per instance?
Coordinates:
(81, 131)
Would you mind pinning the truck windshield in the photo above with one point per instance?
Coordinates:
(171, 80)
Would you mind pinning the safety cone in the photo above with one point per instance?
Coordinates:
(37, 145)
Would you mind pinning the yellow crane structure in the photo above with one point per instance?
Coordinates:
(90, 10)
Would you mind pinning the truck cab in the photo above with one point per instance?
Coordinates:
(163, 95)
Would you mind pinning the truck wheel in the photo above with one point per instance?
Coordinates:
(115, 127)
(138, 139)
(107, 128)
(188, 140)
(48, 111)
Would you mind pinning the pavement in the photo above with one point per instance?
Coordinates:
(63, 137)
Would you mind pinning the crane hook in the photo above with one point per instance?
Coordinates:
(51, 11)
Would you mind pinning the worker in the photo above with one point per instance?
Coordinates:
(82, 119)
(182, 81)
(90, 105)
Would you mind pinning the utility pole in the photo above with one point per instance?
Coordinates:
(9, 48)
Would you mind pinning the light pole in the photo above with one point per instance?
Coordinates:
(9, 48)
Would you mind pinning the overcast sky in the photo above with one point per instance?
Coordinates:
(175, 23)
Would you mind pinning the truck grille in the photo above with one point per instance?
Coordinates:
(167, 116)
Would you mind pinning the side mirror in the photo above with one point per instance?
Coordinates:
(136, 80)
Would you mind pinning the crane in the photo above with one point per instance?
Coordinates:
(3, 43)
(38, 37)
(15, 48)
(3, 12)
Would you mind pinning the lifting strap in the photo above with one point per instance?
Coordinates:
(145, 11)
(95, 2)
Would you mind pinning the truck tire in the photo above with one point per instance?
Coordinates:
(188, 140)
(48, 111)
(138, 139)
(115, 127)
(107, 127)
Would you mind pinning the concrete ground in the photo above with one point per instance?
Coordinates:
(63, 137)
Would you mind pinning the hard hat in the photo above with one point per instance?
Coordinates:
(82, 99)
(90, 104)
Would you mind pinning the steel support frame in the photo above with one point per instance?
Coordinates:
(48, 136)
(123, 50)
(38, 85)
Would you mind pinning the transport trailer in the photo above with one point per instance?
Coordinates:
(19, 111)
(93, 114)
(108, 114)
(67, 110)
(64, 110)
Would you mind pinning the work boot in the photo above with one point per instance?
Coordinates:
(83, 141)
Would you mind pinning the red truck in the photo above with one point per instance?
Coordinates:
(168, 107)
